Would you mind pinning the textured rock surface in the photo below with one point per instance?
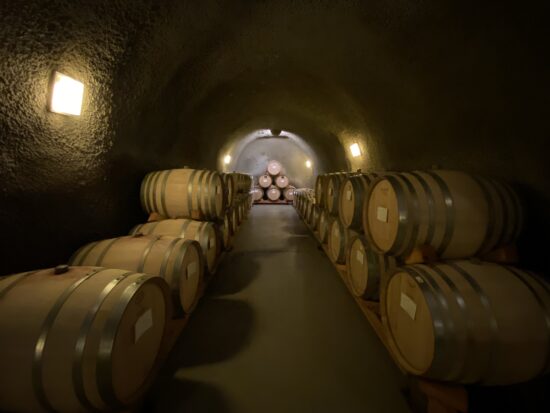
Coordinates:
(416, 84)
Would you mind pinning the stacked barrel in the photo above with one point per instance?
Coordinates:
(434, 248)
(304, 202)
(273, 186)
(82, 327)
(240, 198)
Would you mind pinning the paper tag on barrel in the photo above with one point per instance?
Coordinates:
(360, 257)
(382, 214)
(408, 305)
(191, 270)
(143, 323)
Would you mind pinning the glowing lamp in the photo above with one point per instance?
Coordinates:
(355, 150)
(227, 159)
(66, 95)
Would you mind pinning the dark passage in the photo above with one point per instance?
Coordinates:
(277, 331)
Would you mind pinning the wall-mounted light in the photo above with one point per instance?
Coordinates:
(308, 164)
(66, 95)
(355, 150)
(227, 159)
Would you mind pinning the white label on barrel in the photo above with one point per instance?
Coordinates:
(330, 191)
(408, 305)
(360, 256)
(191, 270)
(349, 195)
(144, 323)
(382, 214)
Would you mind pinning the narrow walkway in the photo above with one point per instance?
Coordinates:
(277, 331)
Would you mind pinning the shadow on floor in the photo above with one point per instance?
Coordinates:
(216, 332)
(192, 396)
(236, 273)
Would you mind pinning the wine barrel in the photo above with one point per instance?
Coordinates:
(242, 183)
(226, 231)
(229, 186)
(274, 168)
(308, 207)
(184, 193)
(302, 198)
(368, 271)
(203, 232)
(469, 322)
(320, 189)
(257, 194)
(178, 261)
(78, 339)
(281, 181)
(234, 219)
(351, 198)
(338, 241)
(335, 181)
(241, 212)
(265, 181)
(273, 193)
(313, 219)
(288, 193)
(325, 222)
(458, 214)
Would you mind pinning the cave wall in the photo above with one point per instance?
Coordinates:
(416, 84)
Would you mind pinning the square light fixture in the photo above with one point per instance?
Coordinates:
(66, 95)
(355, 150)
(308, 164)
(227, 159)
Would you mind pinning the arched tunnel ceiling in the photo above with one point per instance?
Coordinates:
(416, 84)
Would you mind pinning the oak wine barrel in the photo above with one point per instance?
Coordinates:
(288, 193)
(334, 182)
(338, 241)
(229, 186)
(368, 271)
(313, 218)
(78, 339)
(273, 193)
(184, 193)
(234, 219)
(203, 232)
(282, 181)
(469, 322)
(458, 214)
(325, 222)
(265, 181)
(257, 194)
(351, 198)
(320, 189)
(274, 168)
(241, 183)
(178, 261)
(226, 231)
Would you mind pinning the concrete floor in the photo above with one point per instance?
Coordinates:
(277, 331)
